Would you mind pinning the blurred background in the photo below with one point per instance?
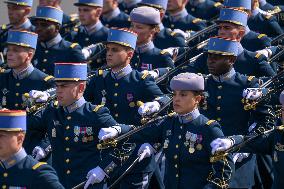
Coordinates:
(67, 6)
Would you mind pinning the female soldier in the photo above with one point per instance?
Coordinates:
(186, 137)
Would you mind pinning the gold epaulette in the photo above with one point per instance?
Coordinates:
(196, 20)
(173, 33)
(101, 72)
(210, 122)
(261, 36)
(257, 55)
(73, 45)
(250, 78)
(218, 4)
(172, 114)
(97, 108)
(4, 26)
(49, 77)
(36, 166)
(145, 74)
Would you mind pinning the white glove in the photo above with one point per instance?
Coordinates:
(252, 93)
(151, 73)
(221, 144)
(173, 51)
(145, 150)
(95, 175)
(110, 132)
(266, 52)
(238, 157)
(86, 53)
(149, 108)
(39, 96)
(184, 34)
(38, 153)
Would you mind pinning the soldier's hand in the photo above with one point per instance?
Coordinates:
(221, 144)
(149, 108)
(38, 153)
(145, 150)
(266, 52)
(253, 93)
(108, 133)
(95, 175)
(152, 73)
(239, 157)
(39, 96)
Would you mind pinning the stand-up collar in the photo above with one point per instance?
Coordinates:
(24, 73)
(186, 118)
(16, 158)
(73, 107)
(225, 77)
(51, 42)
(144, 48)
(121, 73)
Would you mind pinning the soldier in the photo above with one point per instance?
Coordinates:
(225, 86)
(186, 136)
(112, 16)
(128, 5)
(165, 38)
(267, 143)
(17, 169)
(72, 129)
(68, 22)
(145, 22)
(18, 11)
(125, 91)
(252, 40)
(232, 25)
(263, 22)
(22, 77)
(180, 19)
(91, 30)
(204, 9)
(51, 47)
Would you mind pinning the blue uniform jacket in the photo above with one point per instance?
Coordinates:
(167, 38)
(73, 138)
(185, 169)
(270, 144)
(26, 172)
(61, 52)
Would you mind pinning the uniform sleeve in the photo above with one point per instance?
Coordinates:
(265, 69)
(150, 89)
(37, 132)
(76, 53)
(166, 64)
(260, 145)
(46, 177)
(273, 27)
(89, 93)
(222, 170)
(261, 115)
(104, 117)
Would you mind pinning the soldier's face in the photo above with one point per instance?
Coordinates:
(117, 56)
(47, 2)
(17, 56)
(46, 30)
(17, 13)
(109, 5)
(175, 4)
(185, 101)
(68, 92)
(145, 32)
(88, 15)
(228, 30)
(219, 64)
(10, 143)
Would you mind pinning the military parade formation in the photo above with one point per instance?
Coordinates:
(142, 94)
